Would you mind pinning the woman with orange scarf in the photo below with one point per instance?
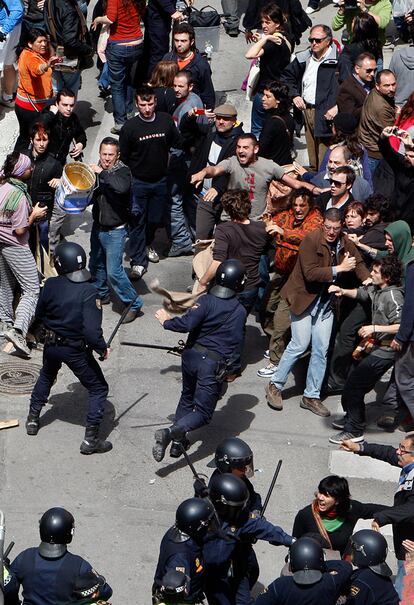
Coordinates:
(333, 514)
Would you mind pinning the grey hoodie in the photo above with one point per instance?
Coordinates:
(402, 65)
(386, 306)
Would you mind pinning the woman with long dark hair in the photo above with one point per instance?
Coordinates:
(333, 514)
(16, 261)
(123, 51)
(276, 138)
(273, 49)
(35, 82)
(364, 39)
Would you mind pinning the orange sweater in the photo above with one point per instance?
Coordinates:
(33, 84)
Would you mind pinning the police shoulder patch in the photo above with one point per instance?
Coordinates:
(98, 303)
(354, 590)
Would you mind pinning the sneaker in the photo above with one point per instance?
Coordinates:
(32, 424)
(233, 33)
(106, 300)
(339, 423)
(266, 354)
(345, 436)
(9, 103)
(309, 10)
(162, 441)
(130, 115)
(314, 405)
(5, 327)
(104, 91)
(116, 129)
(176, 448)
(387, 422)
(132, 315)
(267, 371)
(274, 397)
(174, 251)
(137, 271)
(153, 256)
(19, 342)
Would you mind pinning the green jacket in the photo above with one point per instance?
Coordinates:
(401, 236)
(381, 9)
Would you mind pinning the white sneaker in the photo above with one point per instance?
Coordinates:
(137, 271)
(18, 341)
(266, 354)
(153, 256)
(267, 371)
(309, 10)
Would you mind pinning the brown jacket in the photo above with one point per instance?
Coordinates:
(377, 113)
(313, 270)
(351, 97)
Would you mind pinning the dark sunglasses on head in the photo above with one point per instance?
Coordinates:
(317, 40)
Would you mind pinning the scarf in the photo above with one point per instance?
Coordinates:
(327, 523)
(12, 201)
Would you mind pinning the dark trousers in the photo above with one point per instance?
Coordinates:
(87, 371)
(26, 119)
(355, 315)
(199, 394)
(157, 37)
(207, 217)
(149, 203)
(361, 380)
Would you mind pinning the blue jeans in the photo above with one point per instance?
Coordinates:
(258, 114)
(373, 164)
(121, 60)
(71, 80)
(105, 265)
(149, 201)
(306, 330)
(399, 578)
(104, 77)
(177, 185)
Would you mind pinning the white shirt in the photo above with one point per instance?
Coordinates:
(310, 77)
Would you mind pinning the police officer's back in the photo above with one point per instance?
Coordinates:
(371, 583)
(49, 573)
(313, 582)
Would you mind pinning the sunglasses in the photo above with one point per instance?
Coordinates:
(316, 40)
(336, 183)
(402, 449)
(371, 70)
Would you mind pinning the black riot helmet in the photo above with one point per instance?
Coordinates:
(230, 278)
(56, 528)
(194, 517)
(229, 494)
(307, 561)
(368, 548)
(234, 453)
(70, 260)
(174, 586)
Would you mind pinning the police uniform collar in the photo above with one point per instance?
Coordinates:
(52, 551)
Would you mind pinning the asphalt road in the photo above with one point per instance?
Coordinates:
(123, 501)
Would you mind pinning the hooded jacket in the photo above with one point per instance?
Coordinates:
(326, 87)
(402, 192)
(201, 72)
(386, 306)
(400, 233)
(402, 64)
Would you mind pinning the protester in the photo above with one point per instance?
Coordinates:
(162, 82)
(11, 15)
(276, 137)
(380, 10)
(364, 39)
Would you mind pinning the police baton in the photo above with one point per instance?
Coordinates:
(272, 485)
(115, 330)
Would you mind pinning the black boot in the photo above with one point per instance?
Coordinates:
(32, 423)
(176, 448)
(91, 443)
(162, 440)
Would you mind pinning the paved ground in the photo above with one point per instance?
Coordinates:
(123, 501)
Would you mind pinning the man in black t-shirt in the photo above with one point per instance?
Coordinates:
(240, 238)
(145, 142)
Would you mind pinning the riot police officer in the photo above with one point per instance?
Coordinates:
(371, 583)
(174, 589)
(313, 580)
(225, 556)
(182, 546)
(215, 325)
(49, 574)
(71, 312)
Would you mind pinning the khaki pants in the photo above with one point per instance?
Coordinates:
(316, 147)
(277, 318)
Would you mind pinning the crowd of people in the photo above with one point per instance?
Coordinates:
(322, 253)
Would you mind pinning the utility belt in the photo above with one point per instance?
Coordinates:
(224, 366)
(54, 340)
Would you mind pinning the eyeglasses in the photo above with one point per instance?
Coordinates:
(402, 449)
(336, 183)
(329, 229)
(317, 40)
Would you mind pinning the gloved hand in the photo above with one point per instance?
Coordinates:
(200, 488)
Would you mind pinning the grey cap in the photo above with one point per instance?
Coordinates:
(226, 111)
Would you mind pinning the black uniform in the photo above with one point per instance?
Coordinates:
(180, 554)
(47, 581)
(369, 588)
(73, 315)
(285, 591)
(216, 334)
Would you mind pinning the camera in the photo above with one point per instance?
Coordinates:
(350, 5)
